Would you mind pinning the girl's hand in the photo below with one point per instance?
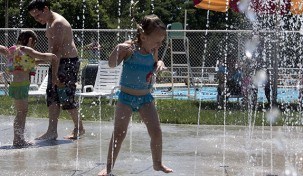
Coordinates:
(56, 81)
(3, 50)
(160, 66)
(157, 49)
(125, 48)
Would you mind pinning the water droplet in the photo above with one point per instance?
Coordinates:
(273, 115)
(251, 15)
(301, 30)
(260, 77)
(243, 5)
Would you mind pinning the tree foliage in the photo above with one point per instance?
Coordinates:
(104, 14)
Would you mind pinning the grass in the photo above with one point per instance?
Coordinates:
(170, 111)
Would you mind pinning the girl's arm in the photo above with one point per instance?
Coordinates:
(121, 51)
(42, 58)
(4, 51)
(160, 64)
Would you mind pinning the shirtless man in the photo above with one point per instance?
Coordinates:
(60, 43)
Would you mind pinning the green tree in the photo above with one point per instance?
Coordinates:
(13, 11)
(105, 12)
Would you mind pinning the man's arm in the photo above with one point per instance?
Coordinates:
(56, 41)
(56, 38)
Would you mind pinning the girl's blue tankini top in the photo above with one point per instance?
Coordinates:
(138, 71)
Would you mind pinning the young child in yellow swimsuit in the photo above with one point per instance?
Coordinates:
(21, 62)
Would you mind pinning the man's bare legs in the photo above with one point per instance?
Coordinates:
(19, 123)
(123, 114)
(150, 117)
(53, 115)
(78, 125)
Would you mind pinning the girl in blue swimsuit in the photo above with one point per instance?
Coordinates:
(140, 65)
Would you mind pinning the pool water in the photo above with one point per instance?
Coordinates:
(210, 94)
(2, 92)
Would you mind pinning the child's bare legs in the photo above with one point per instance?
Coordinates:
(123, 113)
(150, 117)
(78, 125)
(19, 122)
(53, 115)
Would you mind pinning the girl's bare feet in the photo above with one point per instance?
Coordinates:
(21, 144)
(103, 172)
(74, 134)
(163, 169)
(48, 136)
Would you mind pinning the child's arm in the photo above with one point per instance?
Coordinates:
(160, 64)
(41, 59)
(121, 51)
(4, 51)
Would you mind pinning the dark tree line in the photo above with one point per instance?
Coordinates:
(105, 13)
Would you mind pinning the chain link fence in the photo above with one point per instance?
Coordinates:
(206, 50)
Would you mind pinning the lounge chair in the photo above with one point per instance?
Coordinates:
(41, 72)
(107, 81)
(41, 89)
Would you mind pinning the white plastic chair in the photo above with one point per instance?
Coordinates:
(41, 90)
(41, 72)
(107, 81)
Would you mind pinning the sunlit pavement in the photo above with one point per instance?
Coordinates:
(187, 149)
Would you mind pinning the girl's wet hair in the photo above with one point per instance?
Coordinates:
(24, 36)
(149, 24)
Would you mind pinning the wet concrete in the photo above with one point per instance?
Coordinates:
(188, 149)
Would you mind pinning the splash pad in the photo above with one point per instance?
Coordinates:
(187, 152)
(188, 149)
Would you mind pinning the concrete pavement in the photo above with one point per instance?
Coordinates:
(188, 149)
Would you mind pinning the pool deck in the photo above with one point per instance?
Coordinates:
(182, 85)
(189, 149)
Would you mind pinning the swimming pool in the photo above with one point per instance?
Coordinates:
(2, 92)
(210, 94)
